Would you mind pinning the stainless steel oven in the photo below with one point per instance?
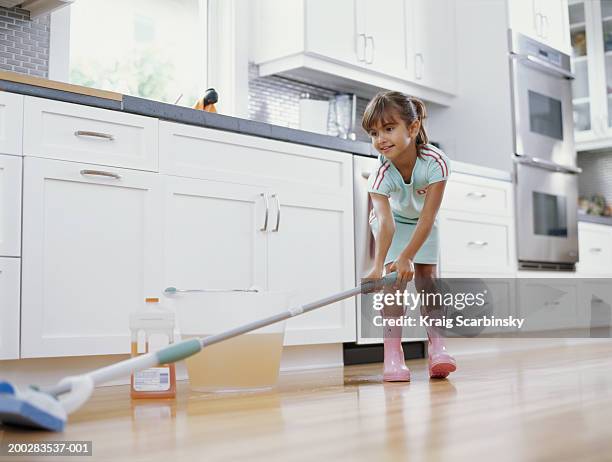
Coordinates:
(546, 220)
(545, 159)
(542, 101)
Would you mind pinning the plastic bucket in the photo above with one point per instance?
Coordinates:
(250, 361)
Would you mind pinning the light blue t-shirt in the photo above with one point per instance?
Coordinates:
(407, 199)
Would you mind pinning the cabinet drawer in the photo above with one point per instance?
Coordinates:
(468, 244)
(10, 206)
(547, 304)
(9, 308)
(595, 248)
(80, 133)
(198, 152)
(11, 126)
(478, 195)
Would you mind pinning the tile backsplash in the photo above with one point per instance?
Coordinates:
(24, 43)
(275, 100)
(596, 176)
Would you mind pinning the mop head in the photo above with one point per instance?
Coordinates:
(30, 408)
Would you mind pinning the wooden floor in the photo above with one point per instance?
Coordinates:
(549, 404)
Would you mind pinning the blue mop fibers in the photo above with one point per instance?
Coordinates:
(16, 411)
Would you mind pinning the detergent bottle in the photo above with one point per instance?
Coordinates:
(152, 328)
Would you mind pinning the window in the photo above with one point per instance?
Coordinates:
(153, 49)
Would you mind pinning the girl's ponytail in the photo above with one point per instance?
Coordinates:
(421, 112)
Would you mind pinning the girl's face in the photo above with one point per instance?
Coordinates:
(391, 137)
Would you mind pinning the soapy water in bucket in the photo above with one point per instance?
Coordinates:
(245, 363)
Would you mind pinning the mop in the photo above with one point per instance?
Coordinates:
(48, 409)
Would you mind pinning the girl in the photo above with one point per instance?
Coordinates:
(406, 190)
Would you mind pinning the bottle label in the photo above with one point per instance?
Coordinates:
(152, 379)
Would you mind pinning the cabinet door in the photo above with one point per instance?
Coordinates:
(602, 27)
(554, 23)
(385, 50)
(311, 251)
(586, 122)
(11, 123)
(213, 234)
(524, 18)
(91, 252)
(548, 304)
(9, 308)
(595, 250)
(432, 33)
(331, 31)
(10, 206)
(595, 307)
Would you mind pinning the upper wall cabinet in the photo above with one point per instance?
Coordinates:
(591, 39)
(543, 20)
(359, 46)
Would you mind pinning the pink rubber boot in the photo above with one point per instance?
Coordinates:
(395, 369)
(441, 363)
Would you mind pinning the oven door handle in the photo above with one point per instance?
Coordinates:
(547, 165)
(547, 67)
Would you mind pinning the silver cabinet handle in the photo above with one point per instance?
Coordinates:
(545, 26)
(364, 43)
(365, 175)
(371, 39)
(419, 63)
(476, 194)
(595, 249)
(477, 243)
(104, 136)
(265, 225)
(100, 173)
(278, 208)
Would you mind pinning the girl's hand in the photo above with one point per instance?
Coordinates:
(375, 274)
(405, 271)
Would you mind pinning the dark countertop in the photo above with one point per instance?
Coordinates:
(190, 116)
(595, 219)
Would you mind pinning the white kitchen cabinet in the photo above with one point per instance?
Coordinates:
(310, 250)
(595, 306)
(359, 36)
(595, 250)
(10, 206)
(476, 226)
(474, 194)
(213, 234)
(547, 305)
(216, 179)
(431, 44)
(323, 19)
(591, 40)
(11, 123)
(384, 45)
(359, 46)
(66, 131)
(543, 20)
(92, 250)
(9, 308)
(477, 244)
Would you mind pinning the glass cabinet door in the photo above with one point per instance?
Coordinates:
(580, 85)
(606, 30)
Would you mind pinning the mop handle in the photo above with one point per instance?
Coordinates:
(187, 348)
